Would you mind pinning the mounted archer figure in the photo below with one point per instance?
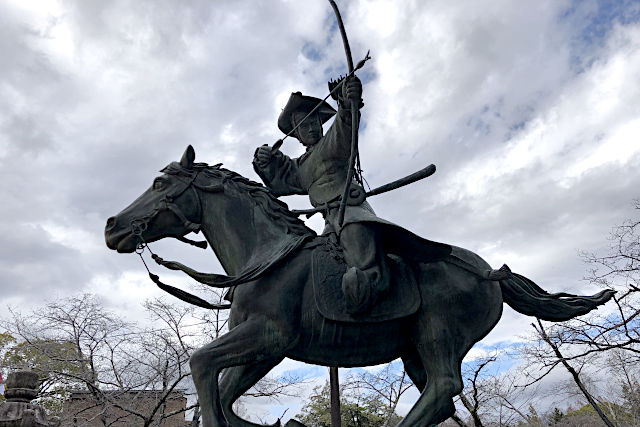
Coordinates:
(329, 173)
(321, 173)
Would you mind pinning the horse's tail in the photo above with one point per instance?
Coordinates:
(526, 297)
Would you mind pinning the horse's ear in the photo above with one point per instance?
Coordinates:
(188, 157)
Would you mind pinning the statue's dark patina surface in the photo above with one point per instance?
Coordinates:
(365, 292)
(268, 254)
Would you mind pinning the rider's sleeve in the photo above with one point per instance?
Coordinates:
(338, 136)
(280, 175)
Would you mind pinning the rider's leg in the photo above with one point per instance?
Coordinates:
(368, 276)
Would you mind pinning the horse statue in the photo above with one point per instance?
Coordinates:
(274, 261)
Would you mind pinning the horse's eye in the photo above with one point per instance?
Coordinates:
(159, 184)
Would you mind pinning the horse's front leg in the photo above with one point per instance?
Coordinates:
(254, 340)
(235, 381)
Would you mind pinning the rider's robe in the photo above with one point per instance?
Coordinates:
(321, 172)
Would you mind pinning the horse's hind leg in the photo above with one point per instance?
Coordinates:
(415, 369)
(237, 380)
(444, 381)
(440, 349)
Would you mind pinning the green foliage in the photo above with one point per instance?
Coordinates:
(556, 416)
(6, 339)
(46, 357)
(613, 411)
(317, 412)
(631, 396)
(532, 418)
(355, 411)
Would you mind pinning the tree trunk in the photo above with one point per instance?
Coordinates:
(574, 374)
(196, 417)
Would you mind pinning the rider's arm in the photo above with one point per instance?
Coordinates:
(339, 134)
(278, 172)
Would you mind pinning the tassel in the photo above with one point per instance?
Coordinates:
(186, 296)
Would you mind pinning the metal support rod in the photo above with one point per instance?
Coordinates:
(336, 420)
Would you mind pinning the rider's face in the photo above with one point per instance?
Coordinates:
(310, 131)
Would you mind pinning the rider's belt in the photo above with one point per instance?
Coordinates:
(356, 197)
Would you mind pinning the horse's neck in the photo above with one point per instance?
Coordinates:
(236, 230)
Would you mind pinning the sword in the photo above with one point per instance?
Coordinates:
(409, 179)
(416, 176)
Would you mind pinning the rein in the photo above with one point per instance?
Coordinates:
(138, 226)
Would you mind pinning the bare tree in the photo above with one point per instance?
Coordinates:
(590, 342)
(125, 370)
(493, 397)
(560, 359)
(618, 269)
(78, 343)
(477, 391)
(623, 387)
(389, 384)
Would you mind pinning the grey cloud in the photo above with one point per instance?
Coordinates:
(450, 83)
(31, 263)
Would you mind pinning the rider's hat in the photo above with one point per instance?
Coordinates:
(299, 103)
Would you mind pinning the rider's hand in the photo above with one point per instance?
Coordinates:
(263, 156)
(352, 89)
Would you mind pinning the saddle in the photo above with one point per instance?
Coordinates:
(327, 268)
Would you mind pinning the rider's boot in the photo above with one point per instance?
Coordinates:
(363, 288)
(367, 277)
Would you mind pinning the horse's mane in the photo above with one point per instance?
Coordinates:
(275, 209)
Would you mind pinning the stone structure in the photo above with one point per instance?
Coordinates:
(18, 411)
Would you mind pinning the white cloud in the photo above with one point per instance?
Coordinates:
(74, 238)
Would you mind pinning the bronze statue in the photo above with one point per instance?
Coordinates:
(365, 292)
(287, 292)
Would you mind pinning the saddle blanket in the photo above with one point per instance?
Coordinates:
(327, 268)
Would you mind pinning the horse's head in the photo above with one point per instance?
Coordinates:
(169, 208)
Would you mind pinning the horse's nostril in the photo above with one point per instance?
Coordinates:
(111, 222)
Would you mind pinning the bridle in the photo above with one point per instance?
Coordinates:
(167, 202)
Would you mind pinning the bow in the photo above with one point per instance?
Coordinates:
(360, 64)
(354, 118)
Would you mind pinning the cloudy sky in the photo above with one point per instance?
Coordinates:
(529, 110)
